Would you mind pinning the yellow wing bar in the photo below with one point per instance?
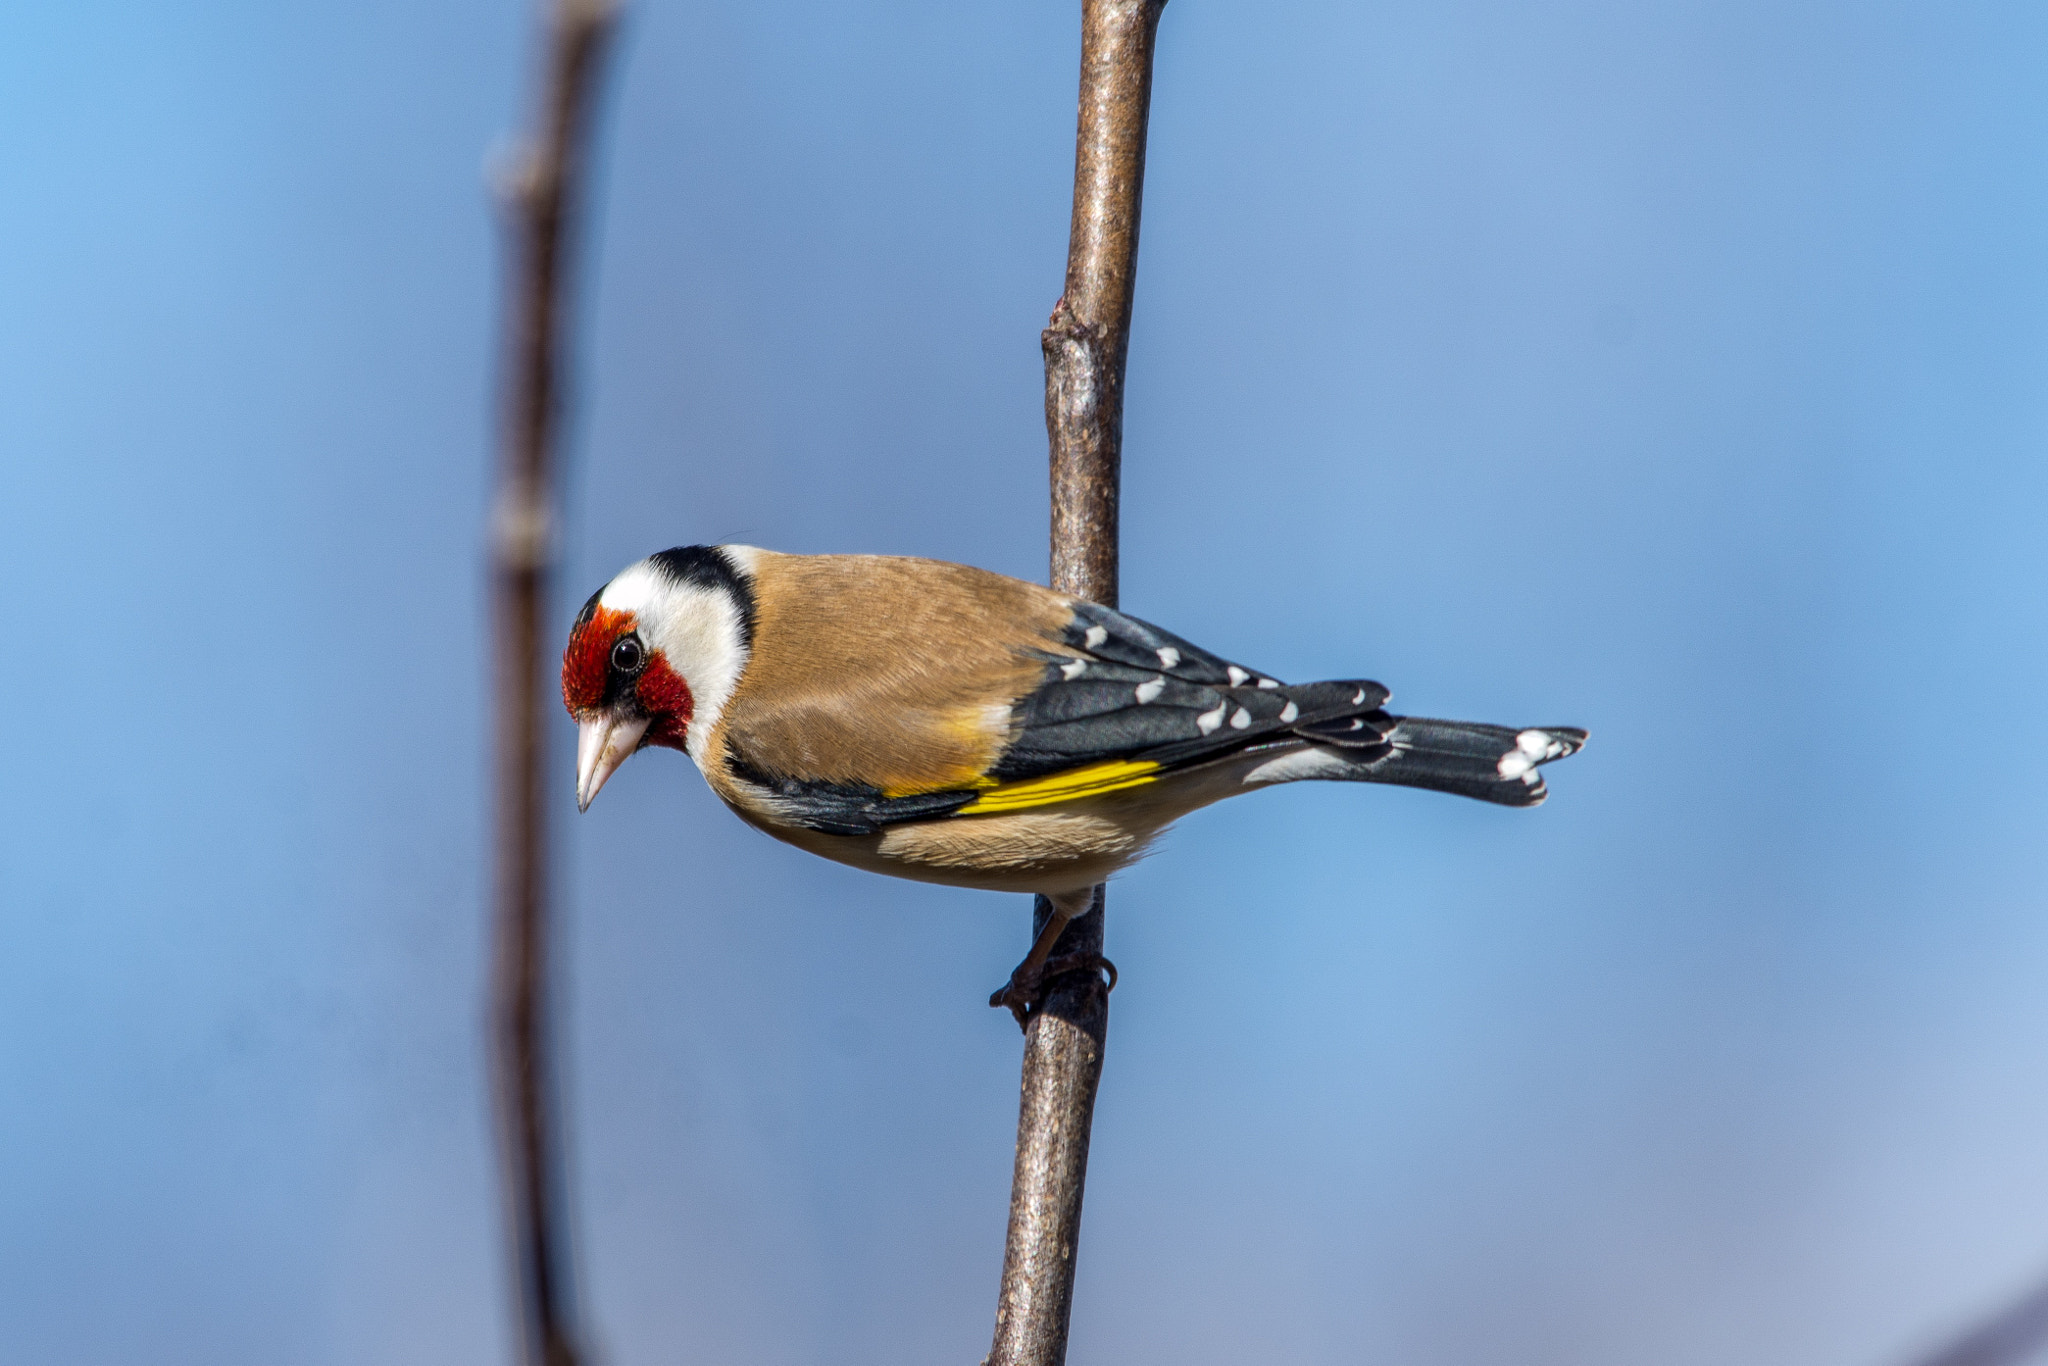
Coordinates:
(1091, 781)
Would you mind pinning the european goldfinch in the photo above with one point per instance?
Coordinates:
(947, 724)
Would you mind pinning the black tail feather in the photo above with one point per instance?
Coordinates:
(1491, 763)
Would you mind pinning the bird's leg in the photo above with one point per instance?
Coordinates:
(1033, 966)
(1025, 991)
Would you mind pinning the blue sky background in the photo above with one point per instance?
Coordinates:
(1675, 369)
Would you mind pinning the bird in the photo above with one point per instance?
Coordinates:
(943, 723)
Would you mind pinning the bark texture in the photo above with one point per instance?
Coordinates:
(1085, 346)
(541, 201)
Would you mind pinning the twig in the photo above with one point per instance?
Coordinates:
(541, 203)
(1085, 345)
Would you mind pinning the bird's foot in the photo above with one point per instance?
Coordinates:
(1025, 992)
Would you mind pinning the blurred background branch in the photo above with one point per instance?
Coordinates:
(542, 197)
(2014, 1336)
(1085, 346)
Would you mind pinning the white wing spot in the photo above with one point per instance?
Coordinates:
(1532, 777)
(1516, 764)
(1240, 718)
(1072, 669)
(1237, 676)
(1358, 697)
(1095, 637)
(1289, 712)
(1535, 744)
(1151, 688)
(1269, 682)
(1168, 656)
(1208, 721)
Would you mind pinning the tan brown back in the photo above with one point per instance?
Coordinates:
(887, 670)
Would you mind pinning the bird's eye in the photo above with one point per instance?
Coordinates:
(628, 655)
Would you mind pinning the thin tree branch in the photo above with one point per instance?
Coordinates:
(542, 199)
(1085, 346)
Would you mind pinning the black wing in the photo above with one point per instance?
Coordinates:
(1133, 691)
(841, 808)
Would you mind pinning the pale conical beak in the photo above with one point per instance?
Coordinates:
(603, 743)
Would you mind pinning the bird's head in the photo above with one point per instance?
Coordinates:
(654, 655)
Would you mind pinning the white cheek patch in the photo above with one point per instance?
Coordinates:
(697, 629)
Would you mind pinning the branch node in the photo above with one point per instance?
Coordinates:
(523, 533)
